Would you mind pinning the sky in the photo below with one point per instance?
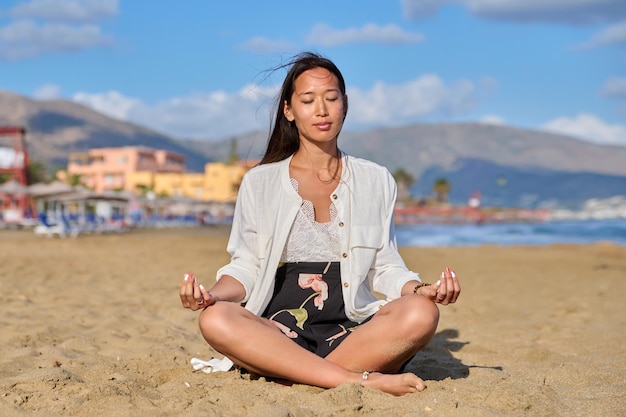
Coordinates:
(197, 69)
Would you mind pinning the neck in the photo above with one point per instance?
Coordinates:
(317, 158)
(325, 164)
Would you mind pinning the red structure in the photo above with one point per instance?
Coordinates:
(20, 163)
(14, 161)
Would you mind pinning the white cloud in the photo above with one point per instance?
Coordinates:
(47, 92)
(25, 39)
(220, 114)
(214, 115)
(614, 34)
(112, 103)
(492, 119)
(66, 10)
(263, 45)
(559, 11)
(614, 87)
(324, 35)
(54, 26)
(415, 100)
(590, 128)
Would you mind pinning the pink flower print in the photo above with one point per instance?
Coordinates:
(288, 332)
(343, 331)
(331, 339)
(317, 284)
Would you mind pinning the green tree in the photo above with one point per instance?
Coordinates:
(74, 180)
(233, 155)
(143, 189)
(404, 180)
(36, 172)
(442, 188)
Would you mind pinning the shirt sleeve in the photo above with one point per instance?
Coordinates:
(389, 272)
(243, 243)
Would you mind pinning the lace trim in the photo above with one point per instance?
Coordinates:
(311, 241)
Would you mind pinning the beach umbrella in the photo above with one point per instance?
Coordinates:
(53, 188)
(13, 187)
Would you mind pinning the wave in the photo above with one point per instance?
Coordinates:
(544, 233)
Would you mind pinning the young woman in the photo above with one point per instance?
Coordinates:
(312, 238)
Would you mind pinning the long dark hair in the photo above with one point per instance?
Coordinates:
(284, 139)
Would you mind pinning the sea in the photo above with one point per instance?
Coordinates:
(506, 234)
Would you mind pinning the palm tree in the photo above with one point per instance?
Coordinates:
(442, 188)
(233, 156)
(404, 180)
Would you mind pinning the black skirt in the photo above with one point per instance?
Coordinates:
(307, 306)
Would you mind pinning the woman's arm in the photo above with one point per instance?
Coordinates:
(243, 243)
(194, 296)
(390, 274)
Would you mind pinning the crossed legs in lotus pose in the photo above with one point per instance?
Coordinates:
(395, 333)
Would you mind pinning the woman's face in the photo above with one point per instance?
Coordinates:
(317, 106)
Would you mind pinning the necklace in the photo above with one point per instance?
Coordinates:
(332, 176)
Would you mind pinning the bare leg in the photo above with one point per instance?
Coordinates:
(256, 345)
(399, 330)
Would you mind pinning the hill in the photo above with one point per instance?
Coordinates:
(56, 128)
(511, 186)
(551, 167)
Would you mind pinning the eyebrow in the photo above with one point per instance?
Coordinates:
(330, 90)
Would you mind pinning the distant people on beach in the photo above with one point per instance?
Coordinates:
(312, 239)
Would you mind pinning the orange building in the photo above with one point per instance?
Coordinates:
(109, 169)
(219, 182)
(141, 169)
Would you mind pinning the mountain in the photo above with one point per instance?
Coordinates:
(539, 167)
(56, 128)
(510, 186)
(415, 148)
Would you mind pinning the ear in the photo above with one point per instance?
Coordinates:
(287, 112)
(345, 106)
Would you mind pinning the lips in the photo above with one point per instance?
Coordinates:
(323, 126)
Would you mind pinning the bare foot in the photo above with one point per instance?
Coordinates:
(395, 384)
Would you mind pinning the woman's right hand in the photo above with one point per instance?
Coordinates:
(193, 295)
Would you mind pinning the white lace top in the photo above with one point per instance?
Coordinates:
(310, 241)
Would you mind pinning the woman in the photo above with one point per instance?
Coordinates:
(312, 237)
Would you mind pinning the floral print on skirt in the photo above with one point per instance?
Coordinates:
(307, 306)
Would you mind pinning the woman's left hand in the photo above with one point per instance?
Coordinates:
(445, 291)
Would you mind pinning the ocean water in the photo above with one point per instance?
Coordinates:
(546, 233)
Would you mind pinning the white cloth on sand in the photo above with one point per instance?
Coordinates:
(213, 365)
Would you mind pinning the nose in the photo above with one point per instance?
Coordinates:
(320, 108)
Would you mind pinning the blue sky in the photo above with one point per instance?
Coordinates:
(197, 69)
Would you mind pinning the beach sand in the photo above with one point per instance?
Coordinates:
(93, 326)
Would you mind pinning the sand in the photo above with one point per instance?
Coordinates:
(93, 326)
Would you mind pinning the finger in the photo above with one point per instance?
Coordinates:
(189, 292)
(450, 287)
(443, 289)
(451, 293)
(209, 299)
(457, 287)
(184, 290)
(204, 292)
(197, 294)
